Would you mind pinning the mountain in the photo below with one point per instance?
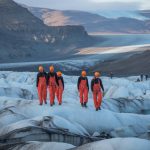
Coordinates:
(122, 13)
(25, 37)
(53, 17)
(135, 65)
(145, 13)
(92, 22)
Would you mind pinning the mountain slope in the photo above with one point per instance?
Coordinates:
(145, 13)
(53, 17)
(25, 37)
(134, 65)
(91, 22)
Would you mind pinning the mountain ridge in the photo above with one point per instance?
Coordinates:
(24, 36)
(92, 22)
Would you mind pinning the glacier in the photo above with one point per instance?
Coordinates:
(125, 114)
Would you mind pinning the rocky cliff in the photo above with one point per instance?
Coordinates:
(25, 37)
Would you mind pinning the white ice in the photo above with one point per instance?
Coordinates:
(125, 108)
(118, 144)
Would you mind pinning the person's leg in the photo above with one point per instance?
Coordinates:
(81, 96)
(57, 93)
(60, 96)
(85, 96)
(45, 94)
(51, 95)
(95, 99)
(40, 94)
(100, 96)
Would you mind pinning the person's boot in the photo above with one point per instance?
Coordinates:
(40, 104)
(99, 108)
(81, 104)
(51, 105)
(45, 102)
(96, 109)
(85, 104)
(59, 103)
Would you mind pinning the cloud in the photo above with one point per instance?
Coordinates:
(145, 5)
(89, 5)
(123, 4)
(118, 6)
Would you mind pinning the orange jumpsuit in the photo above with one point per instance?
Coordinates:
(83, 88)
(42, 87)
(96, 86)
(60, 90)
(52, 83)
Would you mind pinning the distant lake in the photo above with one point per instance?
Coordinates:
(124, 40)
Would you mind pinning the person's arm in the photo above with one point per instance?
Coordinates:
(56, 78)
(92, 84)
(101, 84)
(87, 83)
(79, 80)
(37, 80)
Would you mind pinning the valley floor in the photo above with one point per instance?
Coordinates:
(122, 61)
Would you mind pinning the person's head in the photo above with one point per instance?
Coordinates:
(97, 74)
(59, 73)
(41, 69)
(51, 68)
(83, 73)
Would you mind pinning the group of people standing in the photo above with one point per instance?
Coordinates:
(55, 84)
(96, 88)
(53, 81)
(142, 78)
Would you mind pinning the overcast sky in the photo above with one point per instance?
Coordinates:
(89, 5)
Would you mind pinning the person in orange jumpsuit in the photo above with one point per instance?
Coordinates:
(83, 88)
(97, 88)
(41, 85)
(60, 88)
(52, 82)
